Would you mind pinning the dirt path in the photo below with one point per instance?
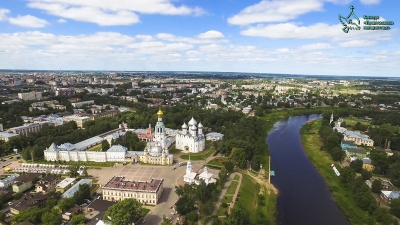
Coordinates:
(264, 182)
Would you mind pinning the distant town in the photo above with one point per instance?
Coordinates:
(77, 146)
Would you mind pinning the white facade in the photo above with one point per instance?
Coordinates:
(190, 138)
(116, 153)
(194, 178)
(30, 96)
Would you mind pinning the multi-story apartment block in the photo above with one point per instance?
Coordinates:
(79, 104)
(30, 96)
(79, 120)
(148, 192)
(28, 128)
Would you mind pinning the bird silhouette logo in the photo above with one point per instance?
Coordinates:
(348, 23)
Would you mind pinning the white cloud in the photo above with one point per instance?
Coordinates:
(357, 44)
(275, 11)
(28, 21)
(315, 31)
(3, 14)
(144, 37)
(211, 36)
(316, 46)
(111, 12)
(61, 21)
(370, 2)
(116, 51)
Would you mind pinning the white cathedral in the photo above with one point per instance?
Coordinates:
(191, 137)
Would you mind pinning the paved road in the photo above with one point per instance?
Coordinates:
(7, 162)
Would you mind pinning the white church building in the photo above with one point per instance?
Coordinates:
(191, 137)
(156, 151)
(195, 178)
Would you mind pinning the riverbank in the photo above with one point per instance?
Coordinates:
(268, 204)
(342, 195)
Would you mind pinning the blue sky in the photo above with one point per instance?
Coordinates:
(270, 36)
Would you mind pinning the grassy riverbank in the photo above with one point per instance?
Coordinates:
(342, 195)
(256, 195)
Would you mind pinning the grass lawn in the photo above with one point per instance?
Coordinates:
(201, 155)
(218, 162)
(144, 211)
(232, 188)
(353, 120)
(343, 196)
(174, 151)
(236, 177)
(248, 194)
(95, 148)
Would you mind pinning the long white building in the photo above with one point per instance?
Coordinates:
(191, 138)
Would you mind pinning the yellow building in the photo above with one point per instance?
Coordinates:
(24, 182)
(367, 164)
(146, 192)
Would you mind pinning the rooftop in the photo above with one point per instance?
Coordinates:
(117, 148)
(26, 178)
(70, 192)
(356, 150)
(64, 183)
(88, 142)
(28, 200)
(145, 186)
(7, 135)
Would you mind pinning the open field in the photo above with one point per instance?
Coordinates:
(248, 194)
(353, 120)
(232, 188)
(201, 155)
(216, 162)
(343, 195)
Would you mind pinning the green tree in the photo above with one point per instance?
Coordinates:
(73, 170)
(192, 216)
(228, 164)
(376, 186)
(65, 204)
(105, 145)
(51, 218)
(357, 165)
(365, 174)
(82, 194)
(124, 212)
(238, 216)
(395, 173)
(78, 219)
(238, 157)
(32, 214)
(395, 207)
(347, 175)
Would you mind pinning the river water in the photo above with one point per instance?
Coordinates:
(304, 198)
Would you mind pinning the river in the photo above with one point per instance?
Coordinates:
(304, 198)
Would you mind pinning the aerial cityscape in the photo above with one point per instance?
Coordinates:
(260, 112)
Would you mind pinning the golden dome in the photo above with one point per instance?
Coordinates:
(160, 113)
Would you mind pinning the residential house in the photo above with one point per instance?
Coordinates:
(7, 195)
(25, 182)
(348, 144)
(26, 201)
(360, 153)
(367, 164)
(71, 212)
(46, 184)
(388, 196)
(65, 184)
(95, 210)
